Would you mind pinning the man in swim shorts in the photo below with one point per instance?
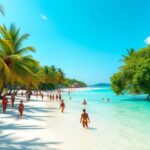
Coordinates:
(84, 119)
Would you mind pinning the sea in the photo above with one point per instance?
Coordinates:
(123, 123)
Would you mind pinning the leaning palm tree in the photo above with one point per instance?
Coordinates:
(14, 63)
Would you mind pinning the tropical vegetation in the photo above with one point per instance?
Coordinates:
(18, 69)
(69, 82)
(134, 75)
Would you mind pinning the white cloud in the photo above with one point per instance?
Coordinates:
(43, 17)
(147, 40)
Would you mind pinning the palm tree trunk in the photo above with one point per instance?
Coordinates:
(1, 90)
(10, 89)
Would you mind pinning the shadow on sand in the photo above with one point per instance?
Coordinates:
(13, 112)
(4, 126)
(8, 142)
(90, 128)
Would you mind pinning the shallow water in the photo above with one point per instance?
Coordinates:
(122, 124)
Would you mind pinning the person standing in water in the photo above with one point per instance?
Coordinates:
(21, 109)
(62, 106)
(84, 119)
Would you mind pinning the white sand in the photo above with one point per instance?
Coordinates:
(43, 127)
(30, 132)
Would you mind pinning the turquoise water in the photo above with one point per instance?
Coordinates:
(125, 120)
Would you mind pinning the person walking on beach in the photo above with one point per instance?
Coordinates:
(12, 100)
(60, 97)
(36, 95)
(21, 109)
(50, 97)
(84, 119)
(53, 97)
(62, 106)
(22, 93)
(4, 103)
(56, 97)
(27, 96)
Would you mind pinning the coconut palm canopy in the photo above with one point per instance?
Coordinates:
(18, 67)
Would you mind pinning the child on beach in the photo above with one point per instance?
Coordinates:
(62, 106)
(4, 103)
(21, 109)
(84, 118)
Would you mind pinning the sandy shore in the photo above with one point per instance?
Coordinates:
(43, 127)
(30, 132)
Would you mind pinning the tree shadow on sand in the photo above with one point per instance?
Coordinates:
(5, 126)
(13, 112)
(9, 142)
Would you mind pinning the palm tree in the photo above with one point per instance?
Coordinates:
(130, 52)
(14, 64)
(60, 76)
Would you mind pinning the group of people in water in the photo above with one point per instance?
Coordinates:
(106, 100)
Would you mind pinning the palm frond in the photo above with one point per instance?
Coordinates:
(25, 50)
(21, 39)
(5, 34)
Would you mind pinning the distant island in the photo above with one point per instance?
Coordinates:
(100, 85)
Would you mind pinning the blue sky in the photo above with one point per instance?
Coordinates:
(85, 38)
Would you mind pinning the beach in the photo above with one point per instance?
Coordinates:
(43, 126)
